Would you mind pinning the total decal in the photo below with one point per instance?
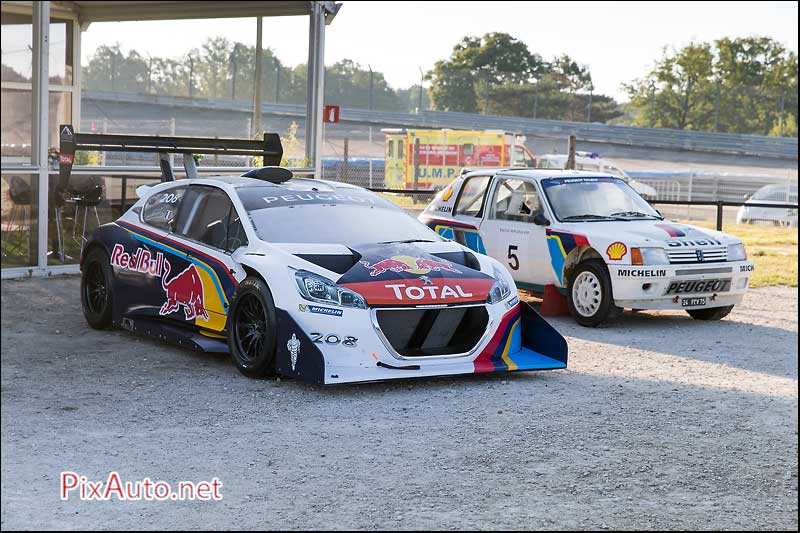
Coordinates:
(184, 290)
(415, 284)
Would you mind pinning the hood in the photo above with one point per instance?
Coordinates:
(415, 274)
(660, 233)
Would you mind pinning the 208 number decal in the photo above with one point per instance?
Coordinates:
(333, 339)
(514, 260)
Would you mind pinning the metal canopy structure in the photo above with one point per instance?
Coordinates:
(113, 11)
(40, 14)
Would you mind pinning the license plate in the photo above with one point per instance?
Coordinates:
(698, 286)
(691, 302)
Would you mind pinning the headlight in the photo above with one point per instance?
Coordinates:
(500, 290)
(319, 289)
(736, 252)
(649, 256)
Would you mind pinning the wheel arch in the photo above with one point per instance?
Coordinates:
(577, 256)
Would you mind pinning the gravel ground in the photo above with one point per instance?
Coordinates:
(660, 422)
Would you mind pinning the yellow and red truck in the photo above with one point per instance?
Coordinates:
(431, 159)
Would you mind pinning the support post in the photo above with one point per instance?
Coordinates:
(316, 87)
(256, 124)
(719, 215)
(40, 137)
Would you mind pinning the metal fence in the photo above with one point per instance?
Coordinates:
(729, 143)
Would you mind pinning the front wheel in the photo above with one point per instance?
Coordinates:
(713, 313)
(252, 326)
(589, 295)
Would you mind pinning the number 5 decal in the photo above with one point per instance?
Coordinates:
(513, 260)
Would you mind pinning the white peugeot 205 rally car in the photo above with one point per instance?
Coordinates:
(594, 238)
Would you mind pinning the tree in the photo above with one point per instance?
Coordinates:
(477, 66)
(497, 74)
(736, 85)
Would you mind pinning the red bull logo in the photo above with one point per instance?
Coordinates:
(412, 265)
(184, 290)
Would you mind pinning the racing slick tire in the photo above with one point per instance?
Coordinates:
(252, 329)
(712, 313)
(589, 295)
(97, 280)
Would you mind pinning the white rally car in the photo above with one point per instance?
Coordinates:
(595, 239)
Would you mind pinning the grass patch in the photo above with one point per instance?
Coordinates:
(773, 250)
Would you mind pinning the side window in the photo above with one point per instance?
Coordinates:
(401, 152)
(390, 149)
(516, 200)
(470, 201)
(469, 149)
(205, 216)
(161, 209)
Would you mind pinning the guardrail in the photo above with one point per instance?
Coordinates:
(663, 138)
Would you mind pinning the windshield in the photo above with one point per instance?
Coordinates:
(580, 199)
(355, 217)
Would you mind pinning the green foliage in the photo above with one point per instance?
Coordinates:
(497, 74)
(748, 76)
(87, 158)
(221, 69)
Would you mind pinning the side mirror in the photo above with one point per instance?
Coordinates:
(540, 220)
(660, 213)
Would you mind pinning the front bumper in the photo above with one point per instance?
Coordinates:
(517, 338)
(666, 286)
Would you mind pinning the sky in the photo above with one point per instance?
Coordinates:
(619, 41)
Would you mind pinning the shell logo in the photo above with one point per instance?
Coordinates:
(616, 251)
(448, 193)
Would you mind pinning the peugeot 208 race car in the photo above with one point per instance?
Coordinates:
(593, 237)
(311, 279)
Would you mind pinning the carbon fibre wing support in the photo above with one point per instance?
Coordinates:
(269, 148)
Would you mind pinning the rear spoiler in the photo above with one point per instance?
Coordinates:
(269, 148)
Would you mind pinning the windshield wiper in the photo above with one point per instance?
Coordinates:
(634, 214)
(589, 216)
(406, 241)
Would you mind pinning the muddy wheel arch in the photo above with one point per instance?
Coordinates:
(575, 257)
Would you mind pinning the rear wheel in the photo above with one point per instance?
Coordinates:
(97, 281)
(589, 295)
(713, 313)
(252, 329)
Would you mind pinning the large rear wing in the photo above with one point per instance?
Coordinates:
(270, 149)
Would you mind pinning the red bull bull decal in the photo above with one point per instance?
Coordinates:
(184, 290)
(412, 265)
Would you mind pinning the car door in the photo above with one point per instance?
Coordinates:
(468, 212)
(510, 234)
(206, 231)
(141, 256)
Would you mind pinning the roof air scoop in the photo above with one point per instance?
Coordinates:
(270, 174)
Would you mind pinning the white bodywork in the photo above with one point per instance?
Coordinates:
(350, 339)
(540, 254)
(770, 194)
